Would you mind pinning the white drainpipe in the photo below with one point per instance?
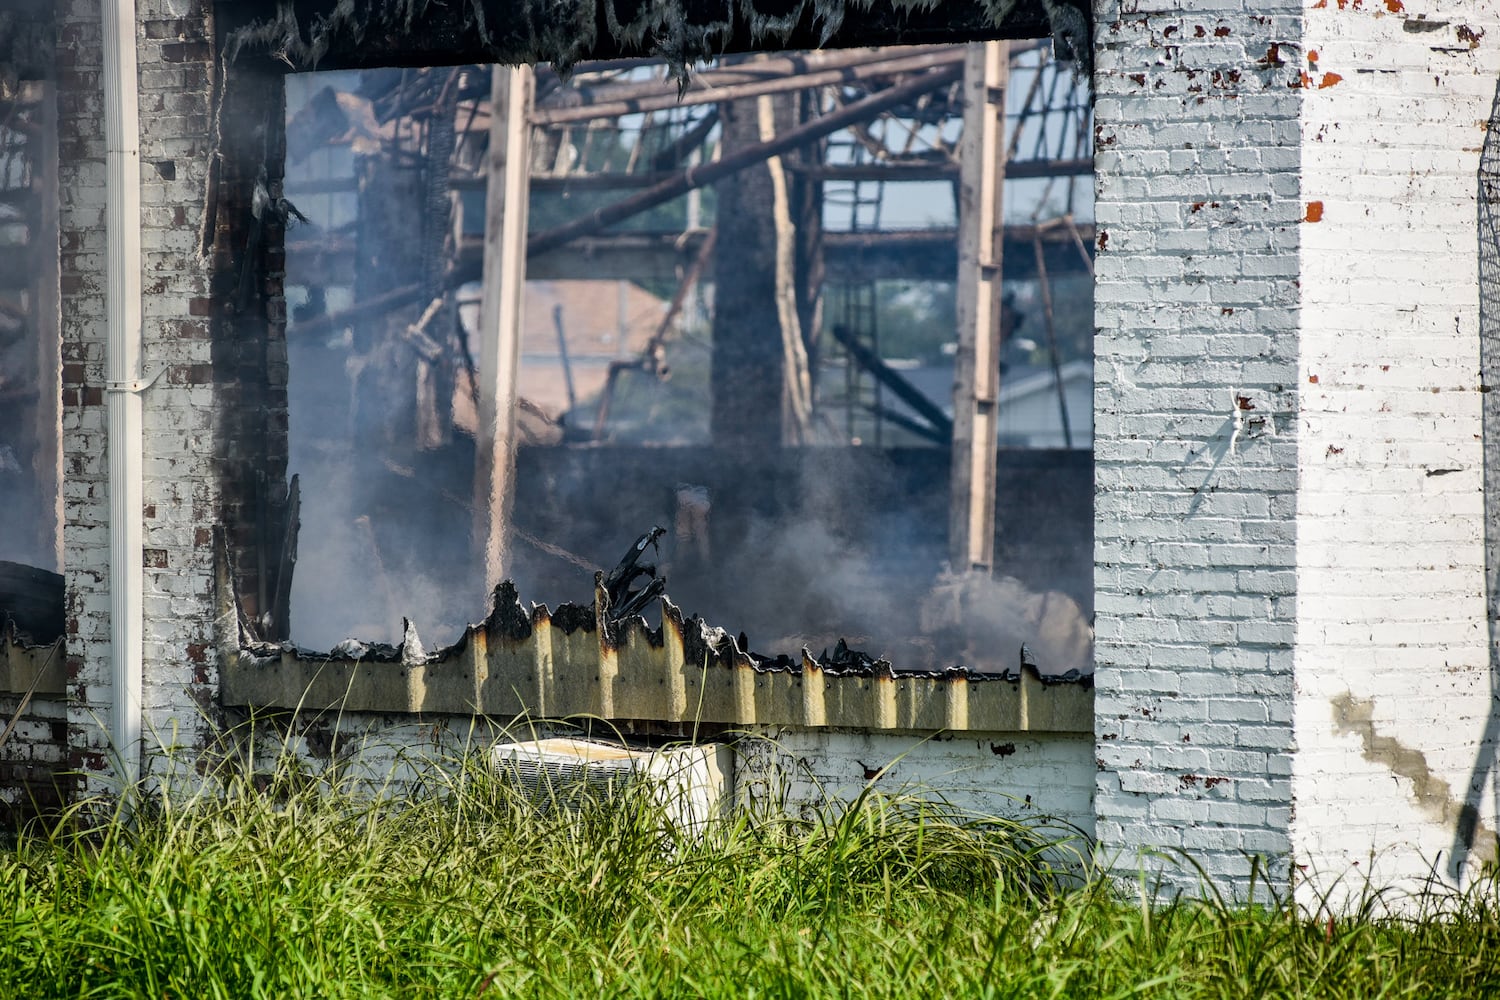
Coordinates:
(123, 374)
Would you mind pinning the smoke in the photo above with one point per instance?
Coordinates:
(804, 547)
(806, 583)
(794, 546)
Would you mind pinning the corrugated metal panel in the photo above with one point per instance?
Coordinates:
(547, 665)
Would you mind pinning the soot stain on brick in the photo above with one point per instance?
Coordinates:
(1356, 717)
(1002, 749)
(1420, 25)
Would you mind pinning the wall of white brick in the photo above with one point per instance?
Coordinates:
(85, 532)
(1293, 652)
(1042, 777)
(1394, 681)
(1036, 776)
(191, 423)
(1197, 204)
(34, 761)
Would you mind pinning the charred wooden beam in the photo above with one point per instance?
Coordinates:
(328, 322)
(921, 430)
(711, 173)
(747, 367)
(501, 309)
(730, 71)
(893, 171)
(893, 380)
(738, 84)
(686, 144)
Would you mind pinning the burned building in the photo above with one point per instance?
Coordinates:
(1285, 533)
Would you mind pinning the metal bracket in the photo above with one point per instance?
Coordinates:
(135, 384)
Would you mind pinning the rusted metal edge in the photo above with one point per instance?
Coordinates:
(575, 662)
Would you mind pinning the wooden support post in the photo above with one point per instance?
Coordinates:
(747, 370)
(796, 393)
(500, 312)
(971, 521)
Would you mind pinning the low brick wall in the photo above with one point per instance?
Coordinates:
(35, 761)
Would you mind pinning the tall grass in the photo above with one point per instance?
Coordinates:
(304, 891)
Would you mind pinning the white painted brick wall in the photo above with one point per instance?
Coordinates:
(1300, 618)
(34, 761)
(1043, 777)
(1197, 202)
(1394, 688)
(181, 445)
(86, 501)
(1020, 775)
(179, 489)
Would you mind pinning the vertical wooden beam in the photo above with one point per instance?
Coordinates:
(971, 520)
(500, 312)
(747, 370)
(796, 390)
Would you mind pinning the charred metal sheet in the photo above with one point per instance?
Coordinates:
(578, 661)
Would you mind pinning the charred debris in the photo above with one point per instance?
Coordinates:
(615, 616)
(313, 34)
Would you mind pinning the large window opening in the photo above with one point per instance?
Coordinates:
(763, 365)
(30, 359)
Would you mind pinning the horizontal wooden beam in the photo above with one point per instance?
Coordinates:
(911, 170)
(714, 88)
(910, 87)
(898, 255)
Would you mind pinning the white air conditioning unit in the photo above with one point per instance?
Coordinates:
(692, 784)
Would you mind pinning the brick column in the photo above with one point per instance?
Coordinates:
(80, 106)
(1395, 710)
(1292, 654)
(214, 418)
(1195, 438)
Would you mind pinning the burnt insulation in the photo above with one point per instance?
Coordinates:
(683, 33)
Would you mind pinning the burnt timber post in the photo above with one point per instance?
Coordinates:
(981, 228)
(747, 370)
(501, 311)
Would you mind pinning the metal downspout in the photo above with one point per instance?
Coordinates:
(123, 382)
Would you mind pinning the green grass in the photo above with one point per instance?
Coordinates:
(473, 892)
